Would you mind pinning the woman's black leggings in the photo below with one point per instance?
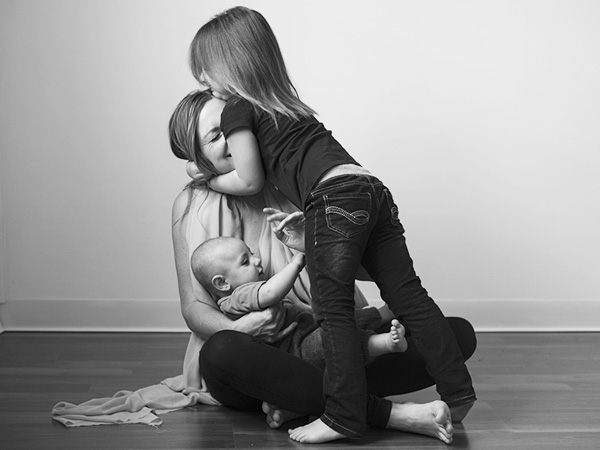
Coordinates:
(242, 372)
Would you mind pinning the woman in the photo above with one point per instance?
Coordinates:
(241, 371)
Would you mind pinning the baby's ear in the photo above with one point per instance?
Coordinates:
(192, 170)
(220, 283)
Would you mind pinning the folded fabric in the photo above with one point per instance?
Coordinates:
(143, 416)
(132, 406)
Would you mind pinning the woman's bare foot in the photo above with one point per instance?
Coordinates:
(315, 432)
(394, 341)
(430, 419)
(277, 416)
(459, 412)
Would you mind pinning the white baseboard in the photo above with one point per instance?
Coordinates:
(114, 315)
(2, 301)
(164, 315)
(526, 315)
(535, 315)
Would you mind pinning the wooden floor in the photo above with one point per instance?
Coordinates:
(536, 391)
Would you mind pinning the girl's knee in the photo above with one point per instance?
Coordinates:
(465, 335)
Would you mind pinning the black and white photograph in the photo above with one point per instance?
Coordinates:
(293, 224)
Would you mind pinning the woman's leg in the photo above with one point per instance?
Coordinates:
(402, 373)
(241, 372)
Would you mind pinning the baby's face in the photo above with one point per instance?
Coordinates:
(242, 266)
(212, 141)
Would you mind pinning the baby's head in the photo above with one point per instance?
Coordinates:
(195, 133)
(223, 264)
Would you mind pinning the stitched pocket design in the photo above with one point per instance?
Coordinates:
(348, 223)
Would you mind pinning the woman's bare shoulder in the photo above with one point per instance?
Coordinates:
(183, 202)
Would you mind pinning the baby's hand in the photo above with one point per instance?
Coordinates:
(192, 170)
(290, 229)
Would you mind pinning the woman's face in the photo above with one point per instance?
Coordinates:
(212, 142)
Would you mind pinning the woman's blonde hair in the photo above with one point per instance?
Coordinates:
(238, 49)
(184, 135)
(184, 139)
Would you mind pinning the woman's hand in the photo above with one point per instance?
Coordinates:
(290, 229)
(266, 325)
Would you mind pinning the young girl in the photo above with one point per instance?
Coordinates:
(351, 219)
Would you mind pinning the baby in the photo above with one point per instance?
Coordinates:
(227, 268)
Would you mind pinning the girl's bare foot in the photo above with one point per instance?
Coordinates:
(315, 432)
(430, 419)
(277, 416)
(394, 341)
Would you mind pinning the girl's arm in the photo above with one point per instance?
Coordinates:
(201, 314)
(248, 177)
(277, 287)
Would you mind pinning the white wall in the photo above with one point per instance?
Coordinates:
(481, 116)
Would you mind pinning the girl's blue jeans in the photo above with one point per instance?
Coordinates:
(352, 220)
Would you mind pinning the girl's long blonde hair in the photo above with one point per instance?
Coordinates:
(238, 49)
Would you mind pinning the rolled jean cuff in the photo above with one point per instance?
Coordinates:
(378, 412)
(461, 401)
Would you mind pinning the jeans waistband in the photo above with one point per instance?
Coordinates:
(340, 180)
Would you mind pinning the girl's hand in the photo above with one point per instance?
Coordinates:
(266, 325)
(290, 229)
(192, 170)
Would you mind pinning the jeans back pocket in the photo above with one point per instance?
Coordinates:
(348, 214)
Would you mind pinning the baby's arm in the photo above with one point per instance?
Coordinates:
(248, 177)
(281, 283)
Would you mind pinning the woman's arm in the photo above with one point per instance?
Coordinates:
(248, 177)
(202, 318)
(201, 314)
